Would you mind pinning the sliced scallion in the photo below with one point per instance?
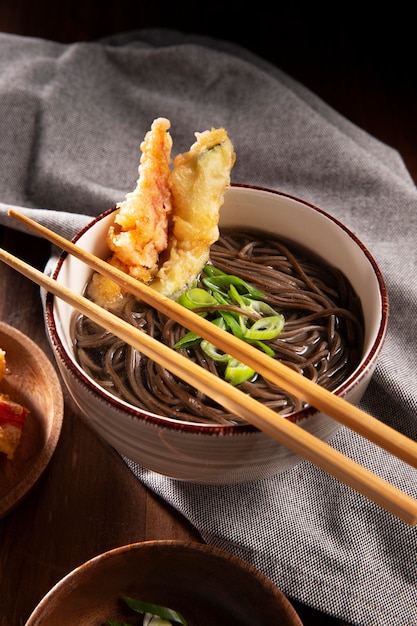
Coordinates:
(237, 372)
(245, 314)
(265, 328)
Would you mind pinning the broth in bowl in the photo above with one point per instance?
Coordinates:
(321, 337)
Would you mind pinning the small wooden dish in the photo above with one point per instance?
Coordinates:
(206, 585)
(32, 381)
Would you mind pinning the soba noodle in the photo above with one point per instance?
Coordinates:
(322, 336)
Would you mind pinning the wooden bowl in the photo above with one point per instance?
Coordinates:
(206, 585)
(32, 381)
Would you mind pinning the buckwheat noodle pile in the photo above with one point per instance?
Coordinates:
(322, 336)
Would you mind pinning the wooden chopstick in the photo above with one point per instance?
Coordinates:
(287, 433)
(332, 405)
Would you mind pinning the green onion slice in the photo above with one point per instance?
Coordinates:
(237, 372)
(265, 328)
(196, 298)
(245, 314)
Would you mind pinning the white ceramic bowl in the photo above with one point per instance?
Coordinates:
(209, 453)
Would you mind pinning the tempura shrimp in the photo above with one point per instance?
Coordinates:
(140, 230)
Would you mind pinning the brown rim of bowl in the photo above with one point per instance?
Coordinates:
(210, 429)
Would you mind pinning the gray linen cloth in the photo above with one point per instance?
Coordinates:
(71, 121)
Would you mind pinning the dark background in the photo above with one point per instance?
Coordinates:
(368, 38)
(361, 59)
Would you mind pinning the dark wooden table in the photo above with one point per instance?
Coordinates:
(87, 501)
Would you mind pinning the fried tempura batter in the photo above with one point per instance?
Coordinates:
(198, 182)
(163, 230)
(140, 230)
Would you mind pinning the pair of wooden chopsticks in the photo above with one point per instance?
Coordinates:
(286, 432)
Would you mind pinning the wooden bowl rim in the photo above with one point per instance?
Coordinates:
(23, 483)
